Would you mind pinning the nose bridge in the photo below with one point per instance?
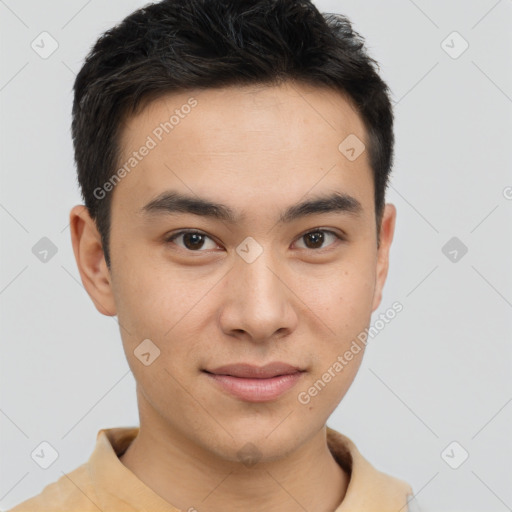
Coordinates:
(258, 301)
(253, 269)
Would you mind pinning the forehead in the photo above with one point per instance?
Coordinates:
(255, 139)
(256, 109)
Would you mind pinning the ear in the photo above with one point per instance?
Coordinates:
(387, 230)
(90, 260)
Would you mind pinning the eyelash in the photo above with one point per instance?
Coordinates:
(338, 237)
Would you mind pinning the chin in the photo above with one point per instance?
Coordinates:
(262, 441)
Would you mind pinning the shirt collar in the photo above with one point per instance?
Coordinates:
(114, 481)
(369, 489)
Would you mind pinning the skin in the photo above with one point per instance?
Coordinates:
(257, 150)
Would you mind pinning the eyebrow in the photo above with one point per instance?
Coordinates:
(172, 202)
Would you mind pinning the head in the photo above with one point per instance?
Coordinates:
(265, 128)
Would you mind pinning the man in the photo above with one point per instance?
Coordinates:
(233, 157)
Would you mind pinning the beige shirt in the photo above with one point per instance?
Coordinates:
(104, 483)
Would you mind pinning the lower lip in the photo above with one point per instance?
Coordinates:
(256, 390)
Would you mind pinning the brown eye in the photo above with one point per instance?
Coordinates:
(192, 240)
(316, 239)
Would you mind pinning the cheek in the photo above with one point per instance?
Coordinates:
(164, 306)
(340, 294)
(149, 296)
(341, 301)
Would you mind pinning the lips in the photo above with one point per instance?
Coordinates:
(251, 383)
(248, 371)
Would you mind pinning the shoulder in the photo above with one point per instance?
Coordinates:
(71, 492)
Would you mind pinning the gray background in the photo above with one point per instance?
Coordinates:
(438, 373)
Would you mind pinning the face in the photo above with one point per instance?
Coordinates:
(249, 279)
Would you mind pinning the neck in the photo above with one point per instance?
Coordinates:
(189, 478)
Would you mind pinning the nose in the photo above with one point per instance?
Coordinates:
(259, 303)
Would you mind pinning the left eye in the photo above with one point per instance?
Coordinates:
(315, 239)
(196, 240)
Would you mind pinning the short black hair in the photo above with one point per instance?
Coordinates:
(178, 45)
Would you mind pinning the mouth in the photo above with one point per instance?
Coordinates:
(255, 383)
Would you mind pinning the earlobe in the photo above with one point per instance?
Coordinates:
(387, 231)
(90, 260)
